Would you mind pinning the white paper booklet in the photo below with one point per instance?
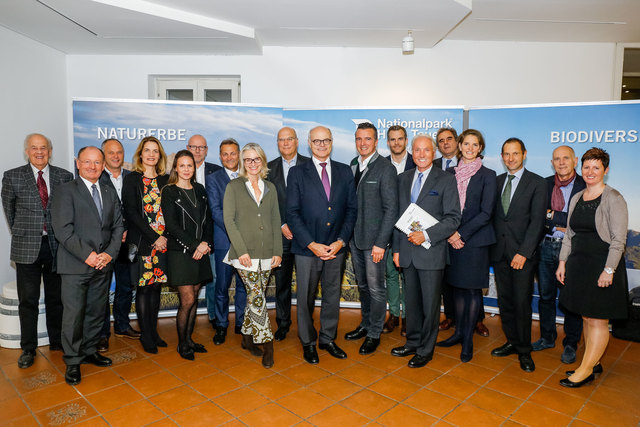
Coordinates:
(416, 219)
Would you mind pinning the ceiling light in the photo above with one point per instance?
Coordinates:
(407, 44)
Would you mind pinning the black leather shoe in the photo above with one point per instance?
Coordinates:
(369, 345)
(450, 342)
(568, 383)
(238, 329)
(129, 333)
(72, 375)
(55, 347)
(418, 361)
(186, 352)
(526, 362)
(596, 370)
(280, 334)
(504, 350)
(198, 348)
(97, 359)
(403, 351)
(103, 345)
(333, 349)
(356, 334)
(26, 359)
(310, 354)
(161, 343)
(214, 324)
(220, 336)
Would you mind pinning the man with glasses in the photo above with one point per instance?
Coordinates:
(278, 173)
(197, 145)
(321, 213)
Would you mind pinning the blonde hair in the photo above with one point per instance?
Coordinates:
(263, 157)
(161, 166)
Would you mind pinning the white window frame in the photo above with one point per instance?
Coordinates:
(158, 85)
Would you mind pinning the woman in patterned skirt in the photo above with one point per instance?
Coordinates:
(252, 219)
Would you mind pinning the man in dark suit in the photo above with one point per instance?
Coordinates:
(401, 159)
(87, 219)
(321, 213)
(216, 184)
(561, 187)
(435, 191)
(113, 176)
(377, 193)
(278, 173)
(197, 144)
(26, 192)
(518, 221)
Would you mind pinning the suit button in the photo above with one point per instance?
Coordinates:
(261, 228)
(329, 207)
(328, 224)
(258, 214)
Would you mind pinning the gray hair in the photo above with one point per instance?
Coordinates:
(429, 137)
(31, 135)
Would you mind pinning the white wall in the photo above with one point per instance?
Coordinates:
(34, 99)
(454, 72)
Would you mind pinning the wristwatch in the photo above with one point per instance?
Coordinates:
(609, 270)
(550, 215)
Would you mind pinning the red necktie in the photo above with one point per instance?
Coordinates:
(44, 194)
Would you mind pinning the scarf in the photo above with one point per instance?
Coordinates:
(464, 172)
(557, 199)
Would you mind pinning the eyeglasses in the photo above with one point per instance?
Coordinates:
(90, 162)
(318, 142)
(197, 147)
(255, 161)
(288, 139)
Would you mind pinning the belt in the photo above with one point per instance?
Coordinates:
(552, 239)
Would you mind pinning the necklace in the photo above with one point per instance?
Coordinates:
(195, 199)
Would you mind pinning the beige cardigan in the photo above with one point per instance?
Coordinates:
(612, 220)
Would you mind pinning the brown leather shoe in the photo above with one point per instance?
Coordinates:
(103, 345)
(391, 323)
(403, 328)
(446, 324)
(481, 330)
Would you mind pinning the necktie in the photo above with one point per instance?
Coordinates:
(325, 180)
(96, 199)
(447, 164)
(44, 194)
(506, 194)
(234, 175)
(415, 191)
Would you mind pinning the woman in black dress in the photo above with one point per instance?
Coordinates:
(189, 230)
(592, 267)
(468, 270)
(147, 246)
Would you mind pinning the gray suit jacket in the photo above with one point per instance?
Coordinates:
(377, 203)
(439, 197)
(23, 209)
(79, 228)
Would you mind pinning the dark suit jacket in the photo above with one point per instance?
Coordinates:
(23, 209)
(377, 203)
(210, 168)
(520, 230)
(276, 176)
(476, 226)
(79, 228)
(560, 218)
(182, 231)
(310, 216)
(216, 184)
(439, 197)
(138, 230)
(438, 163)
(408, 164)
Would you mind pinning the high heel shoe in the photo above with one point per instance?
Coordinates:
(198, 348)
(568, 383)
(186, 352)
(597, 369)
(247, 344)
(450, 342)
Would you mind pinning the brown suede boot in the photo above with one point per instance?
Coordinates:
(247, 344)
(391, 323)
(267, 357)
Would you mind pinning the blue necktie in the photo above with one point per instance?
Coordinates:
(96, 199)
(447, 164)
(415, 191)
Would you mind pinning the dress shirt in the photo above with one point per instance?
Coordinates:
(453, 162)
(400, 165)
(317, 162)
(117, 182)
(286, 165)
(252, 191)
(200, 174)
(229, 172)
(364, 163)
(566, 193)
(425, 175)
(45, 176)
(514, 182)
(89, 184)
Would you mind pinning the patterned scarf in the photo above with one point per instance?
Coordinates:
(464, 171)
(557, 199)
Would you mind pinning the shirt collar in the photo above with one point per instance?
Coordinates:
(45, 170)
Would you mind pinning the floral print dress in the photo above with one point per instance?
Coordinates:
(153, 267)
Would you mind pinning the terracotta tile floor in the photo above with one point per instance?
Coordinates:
(228, 386)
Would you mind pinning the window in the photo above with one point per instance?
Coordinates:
(628, 72)
(195, 88)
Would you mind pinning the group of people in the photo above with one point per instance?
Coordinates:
(201, 225)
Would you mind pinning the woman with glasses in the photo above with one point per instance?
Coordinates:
(189, 230)
(252, 220)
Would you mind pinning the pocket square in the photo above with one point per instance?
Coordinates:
(433, 193)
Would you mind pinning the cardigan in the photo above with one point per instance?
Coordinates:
(612, 220)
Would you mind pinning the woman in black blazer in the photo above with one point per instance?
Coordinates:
(468, 270)
(189, 230)
(147, 246)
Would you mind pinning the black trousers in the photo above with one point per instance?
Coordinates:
(284, 275)
(515, 290)
(28, 278)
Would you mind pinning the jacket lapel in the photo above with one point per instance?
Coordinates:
(428, 185)
(520, 189)
(314, 178)
(86, 195)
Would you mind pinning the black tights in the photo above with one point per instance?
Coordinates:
(147, 307)
(468, 303)
(186, 317)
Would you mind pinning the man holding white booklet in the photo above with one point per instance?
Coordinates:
(435, 192)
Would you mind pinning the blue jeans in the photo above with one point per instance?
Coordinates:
(224, 274)
(373, 295)
(121, 300)
(548, 287)
(210, 290)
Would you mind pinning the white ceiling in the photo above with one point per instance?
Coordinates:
(243, 27)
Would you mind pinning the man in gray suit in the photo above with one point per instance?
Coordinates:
(377, 193)
(87, 220)
(435, 191)
(26, 193)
